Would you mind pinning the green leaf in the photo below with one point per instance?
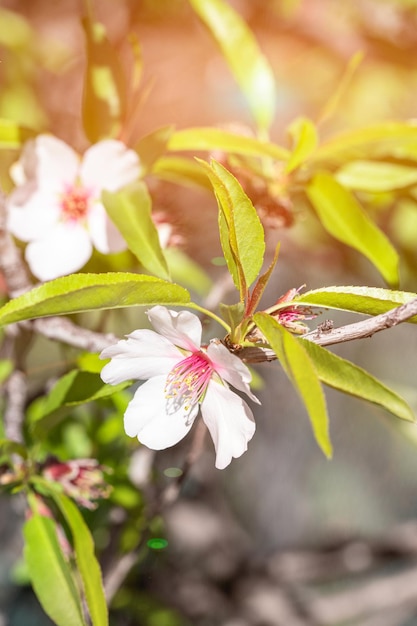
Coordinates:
(376, 176)
(245, 231)
(232, 314)
(104, 96)
(351, 379)
(88, 292)
(151, 147)
(181, 172)
(75, 387)
(87, 563)
(304, 138)
(389, 139)
(366, 300)
(12, 135)
(9, 447)
(50, 573)
(343, 217)
(131, 211)
(239, 47)
(203, 138)
(300, 369)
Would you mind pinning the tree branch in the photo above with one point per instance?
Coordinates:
(358, 330)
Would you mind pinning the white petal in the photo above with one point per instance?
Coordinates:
(32, 214)
(230, 422)
(52, 162)
(183, 328)
(147, 417)
(104, 234)
(231, 368)
(142, 355)
(65, 249)
(109, 165)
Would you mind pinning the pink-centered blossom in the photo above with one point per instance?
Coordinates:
(56, 205)
(182, 376)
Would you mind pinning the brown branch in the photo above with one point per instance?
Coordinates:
(358, 330)
(16, 390)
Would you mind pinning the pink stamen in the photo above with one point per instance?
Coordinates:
(188, 380)
(75, 203)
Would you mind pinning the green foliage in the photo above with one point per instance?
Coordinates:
(87, 292)
(241, 51)
(50, 573)
(304, 137)
(131, 209)
(195, 139)
(343, 217)
(300, 369)
(366, 300)
(351, 379)
(241, 232)
(376, 176)
(86, 560)
(104, 97)
(12, 135)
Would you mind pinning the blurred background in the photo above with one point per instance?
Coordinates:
(282, 537)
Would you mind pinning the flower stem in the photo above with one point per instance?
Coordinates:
(193, 305)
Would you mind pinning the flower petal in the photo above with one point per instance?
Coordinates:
(183, 328)
(147, 417)
(104, 234)
(230, 422)
(65, 249)
(109, 165)
(52, 162)
(231, 368)
(142, 355)
(32, 214)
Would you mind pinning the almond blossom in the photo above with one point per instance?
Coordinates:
(182, 376)
(56, 205)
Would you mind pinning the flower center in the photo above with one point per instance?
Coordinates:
(187, 382)
(75, 203)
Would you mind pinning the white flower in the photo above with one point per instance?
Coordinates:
(56, 206)
(182, 375)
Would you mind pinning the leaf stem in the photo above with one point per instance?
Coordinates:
(197, 307)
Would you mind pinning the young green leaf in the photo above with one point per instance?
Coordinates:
(389, 139)
(241, 231)
(304, 137)
(301, 371)
(351, 379)
(207, 138)
(50, 573)
(73, 388)
(376, 176)
(181, 172)
(9, 447)
(104, 97)
(152, 146)
(239, 47)
(261, 284)
(366, 300)
(88, 292)
(87, 563)
(343, 217)
(131, 211)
